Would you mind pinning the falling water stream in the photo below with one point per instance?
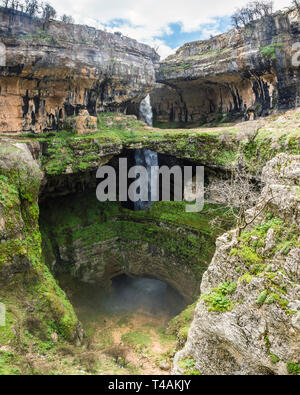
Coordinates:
(147, 158)
(146, 113)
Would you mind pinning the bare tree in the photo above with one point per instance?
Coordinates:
(34, 8)
(31, 7)
(296, 4)
(240, 194)
(156, 48)
(5, 3)
(12, 4)
(252, 11)
(67, 18)
(48, 12)
(267, 7)
(118, 353)
(235, 20)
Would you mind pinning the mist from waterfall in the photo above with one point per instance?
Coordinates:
(146, 158)
(149, 295)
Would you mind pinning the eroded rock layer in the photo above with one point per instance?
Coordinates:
(244, 73)
(248, 318)
(96, 242)
(54, 70)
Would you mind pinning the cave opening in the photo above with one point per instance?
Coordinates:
(152, 296)
(124, 294)
(129, 274)
(128, 324)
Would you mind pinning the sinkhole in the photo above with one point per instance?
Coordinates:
(131, 294)
(126, 295)
(127, 323)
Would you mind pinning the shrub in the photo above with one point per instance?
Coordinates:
(293, 368)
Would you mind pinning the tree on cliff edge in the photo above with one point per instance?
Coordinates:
(251, 12)
(240, 193)
(31, 7)
(48, 12)
(67, 18)
(297, 4)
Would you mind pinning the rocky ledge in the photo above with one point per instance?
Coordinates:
(54, 70)
(244, 73)
(248, 318)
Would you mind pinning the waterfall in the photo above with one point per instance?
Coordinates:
(146, 113)
(145, 157)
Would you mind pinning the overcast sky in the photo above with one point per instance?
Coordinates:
(166, 24)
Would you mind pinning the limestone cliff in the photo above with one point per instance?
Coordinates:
(26, 285)
(248, 318)
(54, 70)
(243, 74)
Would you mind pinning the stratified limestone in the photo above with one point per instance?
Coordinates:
(94, 241)
(54, 70)
(248, 318)
(242, 74)
(25, 281)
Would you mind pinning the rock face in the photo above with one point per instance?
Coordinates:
(96, 242)
(54, 70)
(248, 318)
(21, 265)
(78, 155)
(244, 73)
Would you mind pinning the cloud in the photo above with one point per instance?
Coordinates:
(149, 21)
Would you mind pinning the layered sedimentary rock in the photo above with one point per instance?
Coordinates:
(95, 242)
(51, 70)
(26, 286)
(248, 318)
(77, 155)
(243, 74)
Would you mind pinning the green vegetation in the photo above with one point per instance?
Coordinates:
(270, 50)
(138, 339)
(274, 358)
(187, 237)
(293, 368)
(286, 237)
(262, 297)
(188, 365)
(180, 325)
(24, 279)
(255, 261)
(85, 220)
(271, 139)
(69, 151)
(217, 300)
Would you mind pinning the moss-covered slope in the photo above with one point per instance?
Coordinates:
(36, 306)
(96, 241)
(69, 152)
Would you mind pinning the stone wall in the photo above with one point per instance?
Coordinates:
(54, 70)
(247, 319)
(242, 74)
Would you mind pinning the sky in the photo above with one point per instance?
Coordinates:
(163, 24)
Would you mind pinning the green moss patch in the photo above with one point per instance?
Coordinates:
(218, 299)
